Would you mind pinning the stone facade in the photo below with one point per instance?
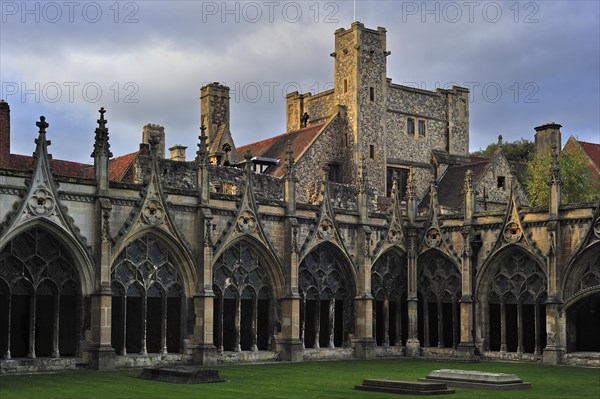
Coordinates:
(197, 262)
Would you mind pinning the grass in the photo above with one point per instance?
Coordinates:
(300, 380)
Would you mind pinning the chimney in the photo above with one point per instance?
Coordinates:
(4, 133)
(546, 136)
(214, 109)
(158, 132)
(178, 153)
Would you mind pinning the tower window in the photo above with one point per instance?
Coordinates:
(422, 128)
(334, 172)
(502, 182)
(345, 85)
(410, 126)
(372, 151)
(372, 93)
(402, 174)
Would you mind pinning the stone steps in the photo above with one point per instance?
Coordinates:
(405, 387)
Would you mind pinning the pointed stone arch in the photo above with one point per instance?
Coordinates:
(439, 286)
(148, 280)
(246, 282)
(512, 291)
(42, 293)
(389, 287)
(177, 250)
(328, 319)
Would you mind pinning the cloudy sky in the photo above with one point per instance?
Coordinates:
(526, 63)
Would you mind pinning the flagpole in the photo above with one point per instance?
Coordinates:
(354, 11)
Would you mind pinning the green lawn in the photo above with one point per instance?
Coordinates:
(301, 380)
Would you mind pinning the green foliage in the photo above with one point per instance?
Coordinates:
(577, 183)
(520, 150)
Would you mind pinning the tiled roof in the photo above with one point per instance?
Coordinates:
(275, 147)
(118, 167)
(59, 167)
(450, 187)
(593, 151)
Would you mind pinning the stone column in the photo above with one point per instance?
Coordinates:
(32, 315)
(55, 327)
(124, 326)
(317, 344)
(254, 324)
(555, 346)
(238, 317)
(163, 325)
(455, 325)
(203, 348)
(468, 259)
(144, 321)
(292, 342)
(386, 322)
(537, 350)
(331, 323)
(364, 343)
(102, 354)
(426, 342)
(502, 327)
(413, 346)
(398, 321)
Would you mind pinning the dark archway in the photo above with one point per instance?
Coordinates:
(40, 293)
(327, 291)
(147, 299)
(439, 289)
(513, 297)
(244, 300)
(582, 299)
(388, 286)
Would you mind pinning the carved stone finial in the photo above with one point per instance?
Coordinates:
(101, 142)
(248, 156)
(201, 154)
(42, 124)
(361, 177)
(500, 144)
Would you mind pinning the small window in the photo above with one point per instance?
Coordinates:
(334, 173)
(372, 151)
(402, 174)
(372, 93)
(410, 126)
(422, 128)
(345, 85)
(502, 182)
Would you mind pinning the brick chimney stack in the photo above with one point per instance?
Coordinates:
(4, 133)
(156, 132)
(178, 153)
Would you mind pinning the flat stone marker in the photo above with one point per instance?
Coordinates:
(477, 379)
(181, 375)
(405, 387)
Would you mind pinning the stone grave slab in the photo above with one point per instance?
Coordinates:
(423, 388)
(477, 379)
(181, 375)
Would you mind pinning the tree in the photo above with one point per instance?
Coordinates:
(520, 150)
(577, 182)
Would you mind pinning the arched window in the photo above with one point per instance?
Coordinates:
(147, 299)
(327, 295)
(516, 297)
(388, 286)
(40, 293)
(243, 302)
(439, 289)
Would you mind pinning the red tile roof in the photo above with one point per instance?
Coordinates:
(117, 166)
(275, 147)
(58, 166)
(593, 151)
